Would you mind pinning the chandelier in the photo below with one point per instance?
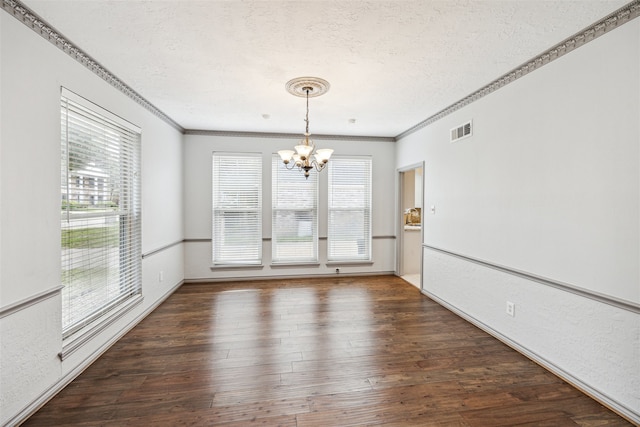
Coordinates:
(306, 157)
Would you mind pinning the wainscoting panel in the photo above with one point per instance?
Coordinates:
(592, 344)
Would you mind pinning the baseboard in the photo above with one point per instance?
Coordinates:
(56, 387)
(595, 394)
(285, 276)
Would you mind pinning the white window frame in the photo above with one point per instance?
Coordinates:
(236, 209)
(295, 197)
(347, 202)
(101, 255)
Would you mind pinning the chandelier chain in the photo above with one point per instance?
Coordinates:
(306, 157)
(307, 116)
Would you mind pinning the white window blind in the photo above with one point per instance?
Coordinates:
(100, 221)
(295, 215)
(237, 208)
(349, 223)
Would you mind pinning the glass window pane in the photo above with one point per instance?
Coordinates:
(100, 213)
(237, 208)
(349, 221)
(295, 215)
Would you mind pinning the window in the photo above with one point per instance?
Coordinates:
(100, 221)
(349, 223)
(237, 208)
(295, 215)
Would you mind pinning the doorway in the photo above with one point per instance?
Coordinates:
(410, 227)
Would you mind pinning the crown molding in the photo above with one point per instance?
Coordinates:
(287, 135)
(606, 24)
(25, 15)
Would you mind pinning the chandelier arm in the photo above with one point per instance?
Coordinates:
(290, 165)
(318, 165)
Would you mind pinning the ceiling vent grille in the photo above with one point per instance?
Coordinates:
(462, 131)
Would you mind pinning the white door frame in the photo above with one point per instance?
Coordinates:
(400, 216)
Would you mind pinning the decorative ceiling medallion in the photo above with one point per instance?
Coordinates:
(299, 86)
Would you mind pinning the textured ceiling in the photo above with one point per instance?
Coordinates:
(223, 65)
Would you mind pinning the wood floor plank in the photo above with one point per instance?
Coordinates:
(316, 352)
(207, 418)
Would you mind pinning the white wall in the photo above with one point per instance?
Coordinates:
(32, 71)
(548, 184)
(198, 151)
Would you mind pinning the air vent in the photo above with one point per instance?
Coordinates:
(461, 132)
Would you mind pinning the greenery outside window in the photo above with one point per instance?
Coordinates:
(237, 208)
(349, 219)
(294, 215)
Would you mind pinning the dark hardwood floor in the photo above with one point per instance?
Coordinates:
(318, 352)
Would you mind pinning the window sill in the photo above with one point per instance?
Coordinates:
(295, 264)
(237, 267)
(349, 262)
(80, 338)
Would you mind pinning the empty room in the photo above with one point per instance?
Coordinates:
(320, 213)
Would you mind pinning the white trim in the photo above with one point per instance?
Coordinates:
(294, 264)
(237, 266)
(268, 239)
(239, 134)
(619, 17)
(73, 343)
(350, 262)
(604, 25)
(399, 224)
(29, 18)
(162, 248)
(577, 290)
(10, 309)
(66, 93)
(281, 276)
